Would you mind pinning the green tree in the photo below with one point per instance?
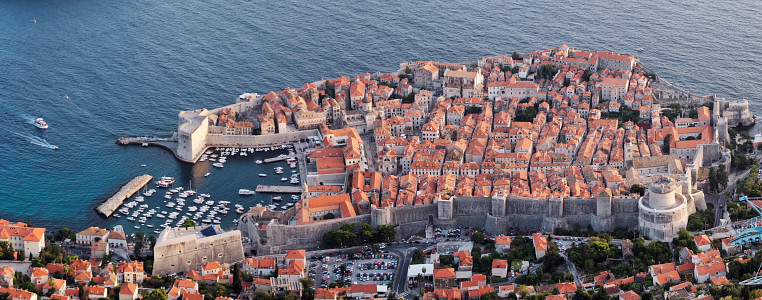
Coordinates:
(418, 257)
(6, 250)
(307, 292)
(712, 178)
(188, 223)
(638, 189)
(581, 294)
(237, 285)
(722, 176)
(477, 237)
(329, 216)
(516, 56)
(667, 141)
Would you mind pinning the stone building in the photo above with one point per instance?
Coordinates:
(183, 249)
(665, 211)
(736, 113)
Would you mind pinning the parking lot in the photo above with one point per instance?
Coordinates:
(362, 267)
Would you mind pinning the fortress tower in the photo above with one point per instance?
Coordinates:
(664, 212)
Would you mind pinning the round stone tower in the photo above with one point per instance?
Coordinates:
(664, 211)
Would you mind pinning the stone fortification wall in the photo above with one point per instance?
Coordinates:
(254, 141)
(497, 215)
(282, 237)
(192, 254)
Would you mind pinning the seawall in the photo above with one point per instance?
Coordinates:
(112, 203)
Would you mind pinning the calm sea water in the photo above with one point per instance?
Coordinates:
(128, 67)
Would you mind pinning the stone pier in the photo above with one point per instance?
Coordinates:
(111, 204)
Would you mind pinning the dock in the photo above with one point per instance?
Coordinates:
(284, 189)
(108, 207)
(277, 158)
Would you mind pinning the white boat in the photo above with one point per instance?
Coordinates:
(167, 196)
(219, 165)
(206, 174)
(278, 171)
(284, 179)
(205, 196)
(262, 175)
(149, 226)
(245, 192)
(40, 123)
(136, 227)
(277, 198)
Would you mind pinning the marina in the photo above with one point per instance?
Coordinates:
(108, 207)
(210, 195)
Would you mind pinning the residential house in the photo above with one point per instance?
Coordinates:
(92, 234)
(444, 278)
(129, 291)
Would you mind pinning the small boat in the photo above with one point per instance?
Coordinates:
(144, 144)
(206, 174)
(245, 192)
(277, 198)
(40, 123)
(34, 20)
(143, 165)
(284, 179)
(640, 49)
(262, 175)
(149, 226)
(54, 147)
(219, 165)
(136, 227)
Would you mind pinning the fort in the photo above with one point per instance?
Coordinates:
(182, 249)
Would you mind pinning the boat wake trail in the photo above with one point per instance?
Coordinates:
(35, 140)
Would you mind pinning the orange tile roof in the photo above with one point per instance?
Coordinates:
(629, 295)
(444, 273)
(128, 289)
(702, 240)
(296, 254)
(722, 280)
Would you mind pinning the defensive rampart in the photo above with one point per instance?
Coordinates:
(498, 215)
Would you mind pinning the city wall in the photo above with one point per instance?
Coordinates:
(497, 215)
(282, 237)
(255, 141)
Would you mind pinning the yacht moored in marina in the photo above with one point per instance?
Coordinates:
(245, 192)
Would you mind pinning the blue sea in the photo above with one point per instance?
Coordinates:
(129, 67)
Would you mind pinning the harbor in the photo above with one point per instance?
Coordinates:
(111, 204)
(211, 190)
(281, 189)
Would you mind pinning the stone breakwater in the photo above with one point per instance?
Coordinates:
(112, 203)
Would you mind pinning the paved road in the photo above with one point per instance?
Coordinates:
(720, 200)
(572, 269)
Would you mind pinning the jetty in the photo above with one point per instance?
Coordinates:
(277, 158)
(284, 189)
(133, 186)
